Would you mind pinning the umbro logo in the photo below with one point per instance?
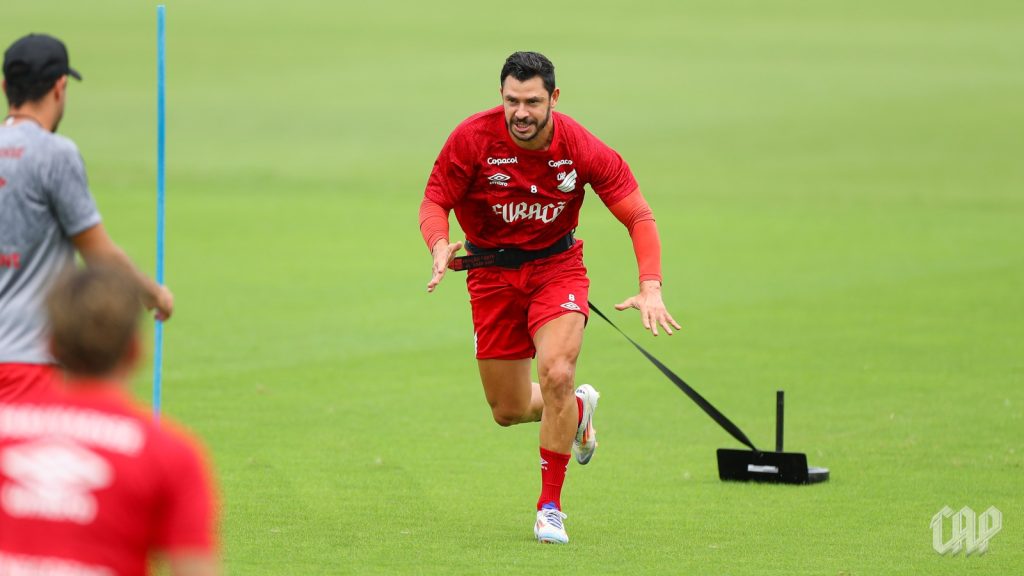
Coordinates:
(500, 179)
(3, 182)
(571, 304)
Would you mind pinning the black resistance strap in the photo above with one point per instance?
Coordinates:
(511, 258)
(697, 398)
(507, 257)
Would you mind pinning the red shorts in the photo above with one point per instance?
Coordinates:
(509, 306)
(20, 380)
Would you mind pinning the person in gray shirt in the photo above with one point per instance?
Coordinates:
(46, 213)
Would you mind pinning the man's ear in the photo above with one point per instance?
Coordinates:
(60, 88)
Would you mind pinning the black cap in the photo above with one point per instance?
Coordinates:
(36, 58)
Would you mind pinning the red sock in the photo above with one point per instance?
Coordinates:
(579, 404)
(552, 476)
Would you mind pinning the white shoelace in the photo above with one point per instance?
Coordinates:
(554, 517)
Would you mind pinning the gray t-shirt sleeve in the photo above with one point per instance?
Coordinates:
(67, 191)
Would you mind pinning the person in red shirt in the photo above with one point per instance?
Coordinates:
(515, 177)
(90, 484)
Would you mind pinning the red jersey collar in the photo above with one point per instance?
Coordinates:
(96, 389)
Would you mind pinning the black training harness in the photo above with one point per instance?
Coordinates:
(507, 257)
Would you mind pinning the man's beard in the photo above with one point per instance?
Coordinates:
(540, 127)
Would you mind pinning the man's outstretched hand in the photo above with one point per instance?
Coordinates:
(652, 309)
(443, 253)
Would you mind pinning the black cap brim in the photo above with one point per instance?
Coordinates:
(74, 73)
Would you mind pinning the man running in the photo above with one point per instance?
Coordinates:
(46, 211)
(515, 176)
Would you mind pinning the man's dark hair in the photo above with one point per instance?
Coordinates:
(525, 65)
(18, 93)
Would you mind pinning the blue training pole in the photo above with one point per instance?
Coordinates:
(161, 182)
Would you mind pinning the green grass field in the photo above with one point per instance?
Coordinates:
(837, 186)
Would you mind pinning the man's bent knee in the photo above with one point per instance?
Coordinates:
(505, 418)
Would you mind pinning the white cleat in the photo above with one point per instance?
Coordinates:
(549, 528)
(585, 443)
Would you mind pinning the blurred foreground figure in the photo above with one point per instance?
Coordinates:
(90, 484)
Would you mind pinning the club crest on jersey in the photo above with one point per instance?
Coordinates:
(499, 179)
(567, 182)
